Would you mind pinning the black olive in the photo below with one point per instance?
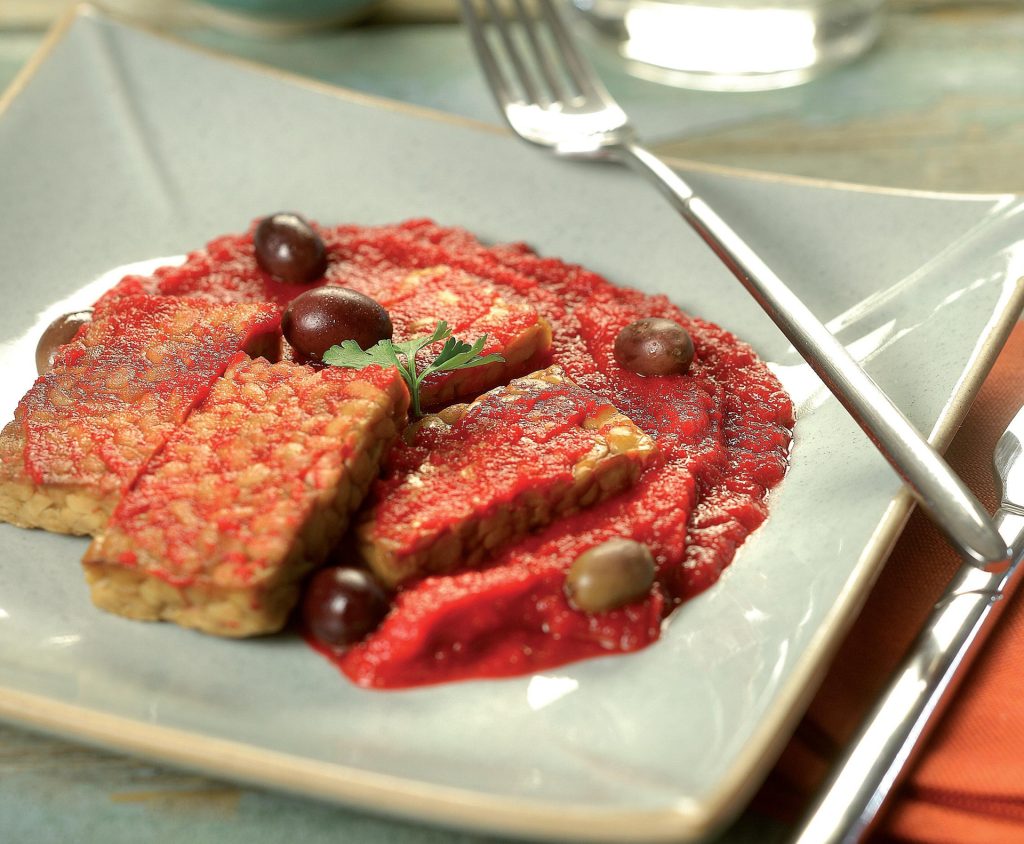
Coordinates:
(342, 605)
(59, 332)
(325, 316)
(289, 249)
(654, 346)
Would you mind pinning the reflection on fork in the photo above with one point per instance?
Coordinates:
(551, 96)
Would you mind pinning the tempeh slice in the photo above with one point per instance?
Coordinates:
(420, 299)
(472, 309)
(250, 494)
(115, 394)
(468, 481)
(415, 295)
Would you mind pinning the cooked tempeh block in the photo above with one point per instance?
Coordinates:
(115, 394)
(516, 331)
(250, 494)
(422, 298)
(469, 480)
(415, 295)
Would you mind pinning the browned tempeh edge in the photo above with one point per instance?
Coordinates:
(262, 609)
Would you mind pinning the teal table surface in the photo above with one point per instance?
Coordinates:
(937, 105)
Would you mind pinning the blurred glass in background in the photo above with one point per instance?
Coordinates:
(734, 45)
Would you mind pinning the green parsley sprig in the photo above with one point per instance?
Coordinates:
(455, 354)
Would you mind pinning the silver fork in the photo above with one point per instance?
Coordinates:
(551, 96)
(881, 752)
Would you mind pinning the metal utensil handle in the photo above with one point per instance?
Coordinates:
(913, 701)
(950, 503)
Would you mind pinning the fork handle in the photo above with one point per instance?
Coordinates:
(909, 708)
(949, 502)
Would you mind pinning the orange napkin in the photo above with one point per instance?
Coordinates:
(968, 782)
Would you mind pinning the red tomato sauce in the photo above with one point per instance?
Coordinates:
(723, 433)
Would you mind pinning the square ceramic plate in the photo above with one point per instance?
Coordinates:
(121, 146)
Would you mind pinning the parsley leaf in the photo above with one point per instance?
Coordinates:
(459, 355)
(455, 354)
(349, 355)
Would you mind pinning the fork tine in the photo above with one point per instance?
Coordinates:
(547, 69)
(501, 23)
(579, 68)
(495, 78)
